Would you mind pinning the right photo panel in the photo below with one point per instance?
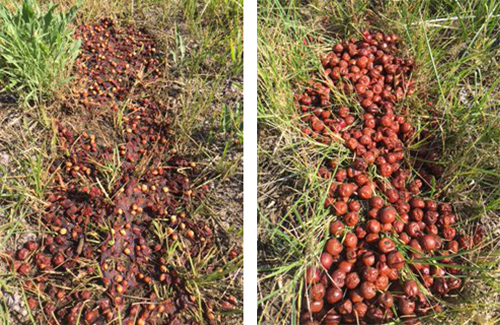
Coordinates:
(379, 162)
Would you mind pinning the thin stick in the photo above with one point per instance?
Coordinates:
(439, 20)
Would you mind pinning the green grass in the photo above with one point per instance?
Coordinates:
(202, 84)
(456, 52)
(36, 50)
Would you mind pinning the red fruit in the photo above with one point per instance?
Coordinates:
(345, 267)
(317, 291)
(385, 170)
(333, 295)
(376, 202)
(386, 245)
(313, 275)
(404, 238)
(429, 242)
(372, 238)
(444, 208)
(365, 192)
(345, 308)
(352, 143)
(341, 175)
(417, 203)
(338, 278)
(58, 259)
(333, 247)
(351, 240)
(32, 303)
(360, 309)
(316, 306)
(413, 229)
(336, 228)
(346, 189)
(351, 219)
(415, 246)
(326, 260)
(373, 226)
(449, 233)
(31, 246)
(370, 274)
(23, 254)
(398, 226)
(355, 295)
(416, 214)
(24, 269)
(373, 213)
(431, 205)
(362, 62)
(354, 206)
(387, 214)
(368, 259)
(362, 179)
(338, 48)
(392, 195)
(340, 208)
(382, 282)
(91, 316)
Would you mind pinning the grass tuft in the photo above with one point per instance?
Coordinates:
(36, 50)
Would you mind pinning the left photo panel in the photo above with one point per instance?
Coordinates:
(121, 162)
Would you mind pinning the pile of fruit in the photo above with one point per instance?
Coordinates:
(375, 267)
(115, 63)
(117, 212)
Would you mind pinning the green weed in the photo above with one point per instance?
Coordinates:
(36, 50)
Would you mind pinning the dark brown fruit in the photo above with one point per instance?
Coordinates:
(352, 280)
(368, 290)
(386, 300)
(406, 307)
(370, 274)
(345, 307)
(333, 295)
(360, 309)
(395, 260)
(410, 288)
(338, 278)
